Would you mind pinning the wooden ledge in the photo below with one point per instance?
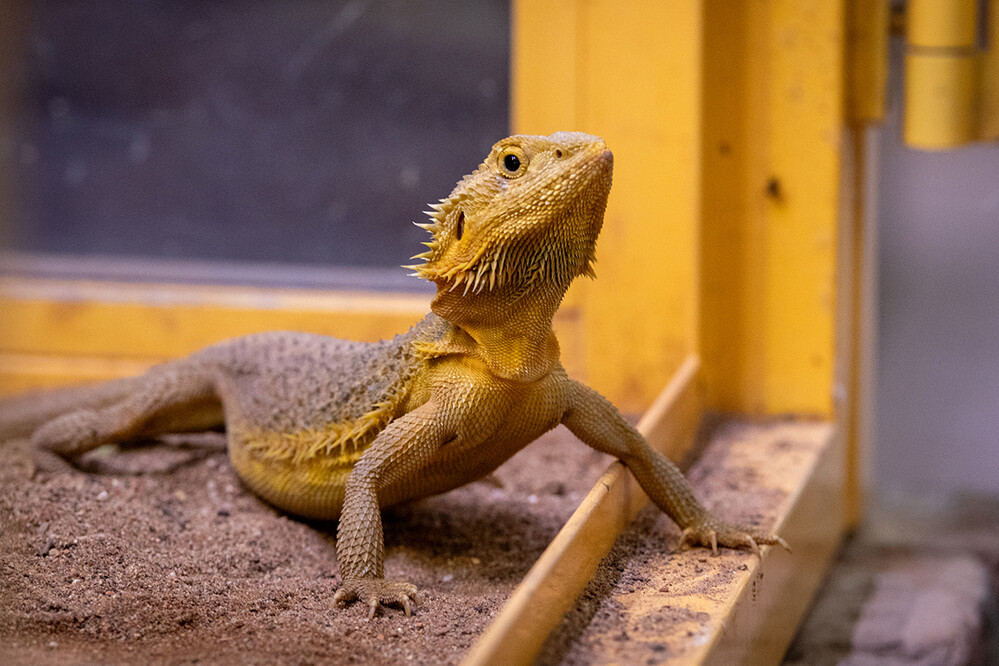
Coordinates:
(55, 332)
(737, 607)
(754, 603)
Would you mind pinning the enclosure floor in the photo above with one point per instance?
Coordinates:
(161, 554)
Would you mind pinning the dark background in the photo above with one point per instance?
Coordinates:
(301, 131)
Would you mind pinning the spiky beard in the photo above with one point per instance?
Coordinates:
(548, 255)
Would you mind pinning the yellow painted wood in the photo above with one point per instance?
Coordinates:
(739, 608)
(942, 74)
(947, 25)
(566, 566)
(25, 372)
(867, 68)
(989, 109)
(634, 78)
(754, 619)
(54, 332)
(160, 321)
(544, 53)
(772, 201)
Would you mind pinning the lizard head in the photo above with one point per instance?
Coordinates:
(529, 216)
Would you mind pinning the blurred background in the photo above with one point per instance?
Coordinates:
(312, 133)
(936, 412)
(303, 131)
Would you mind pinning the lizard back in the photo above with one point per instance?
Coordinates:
(301, 409)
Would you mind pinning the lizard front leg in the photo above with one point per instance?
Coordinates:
(398, 453)
(593, 419)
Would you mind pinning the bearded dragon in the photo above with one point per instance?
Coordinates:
(332, 429)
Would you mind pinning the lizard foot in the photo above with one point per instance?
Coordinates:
(713, 532)
(56, 442)
(45, 461)
(376, 591)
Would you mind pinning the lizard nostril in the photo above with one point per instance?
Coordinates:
(558, 154)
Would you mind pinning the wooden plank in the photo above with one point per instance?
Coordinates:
(165, 320)
(25, 372)
(632, 76)
(736, 608)
(566, 566)
(62, 331)
(774, 120)
(764, 603)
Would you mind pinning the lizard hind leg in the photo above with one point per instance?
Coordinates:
(169, 398)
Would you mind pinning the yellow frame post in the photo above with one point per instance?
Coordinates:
(632, 74)
(774, 135)
(729, 227)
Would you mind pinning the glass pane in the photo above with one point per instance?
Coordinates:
(303, 131)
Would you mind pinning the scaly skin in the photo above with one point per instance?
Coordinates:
(326, 428)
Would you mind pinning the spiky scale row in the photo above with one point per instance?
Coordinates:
(476, 274)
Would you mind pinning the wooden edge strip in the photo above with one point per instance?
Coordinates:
(26, 372)
(162, 294)
(736, 607)
(567, 565)
(56, 332)
(757, 622)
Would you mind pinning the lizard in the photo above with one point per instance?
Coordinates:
(336, 430)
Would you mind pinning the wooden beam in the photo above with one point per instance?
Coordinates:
(773, 201)
(631, 74)
(736, 608)
(763, 604)
(56, 332)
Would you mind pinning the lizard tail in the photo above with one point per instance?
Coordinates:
(21, 414)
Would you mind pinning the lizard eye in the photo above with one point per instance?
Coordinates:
(512, 162)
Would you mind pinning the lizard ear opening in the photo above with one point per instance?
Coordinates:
(459, 226)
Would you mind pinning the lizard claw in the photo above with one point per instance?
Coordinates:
(714, 533)
(374, 592)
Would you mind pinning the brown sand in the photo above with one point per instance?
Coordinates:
(161, 556)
